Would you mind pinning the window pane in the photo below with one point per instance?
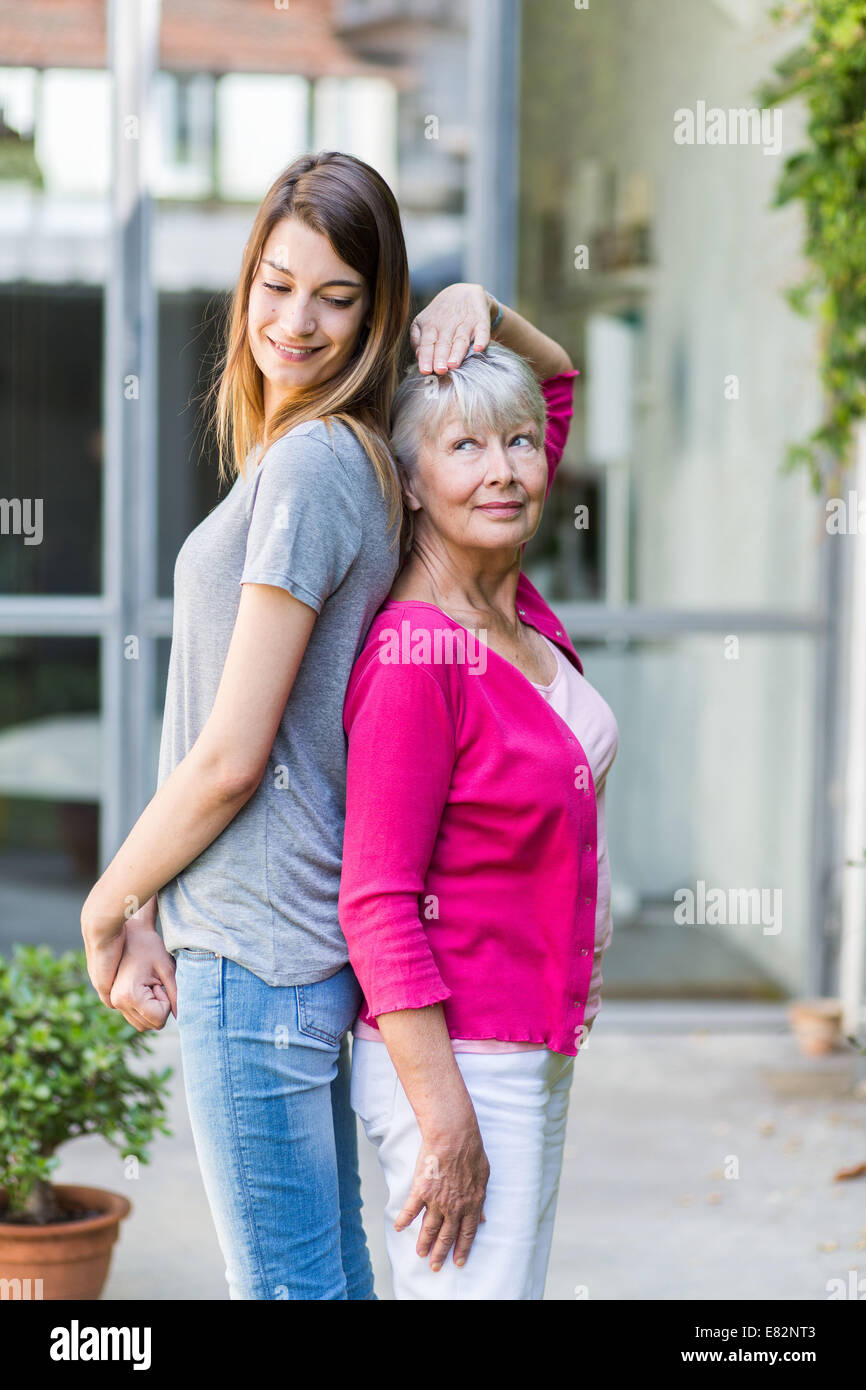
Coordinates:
(50, 787)
(188, 481)
(54, 160)
(260, 117)
(710, 785)
(51, 469)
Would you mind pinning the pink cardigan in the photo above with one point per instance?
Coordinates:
(469, 857)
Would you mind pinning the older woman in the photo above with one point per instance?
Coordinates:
(475, 888)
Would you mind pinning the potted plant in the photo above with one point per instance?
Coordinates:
(817, 1024)
(64, 1071)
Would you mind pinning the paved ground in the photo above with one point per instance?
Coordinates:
(666, 1099)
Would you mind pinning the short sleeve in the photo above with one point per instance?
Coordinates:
(304, 531)
(557, 391)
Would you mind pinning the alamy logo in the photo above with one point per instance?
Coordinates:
(716, 907)
(76, 1343)
(22, 516)
(855, 1288)
(846, 517)
(23, 1289)
(441, 647)
(741, 125)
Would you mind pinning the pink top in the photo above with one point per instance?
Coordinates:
(470, 866)
(590, 717)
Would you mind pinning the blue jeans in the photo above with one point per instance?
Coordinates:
(266, 1072)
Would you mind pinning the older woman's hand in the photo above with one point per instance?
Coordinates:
(450, 1181)
(442, 332)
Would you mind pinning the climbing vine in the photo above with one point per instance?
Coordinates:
(828, 70)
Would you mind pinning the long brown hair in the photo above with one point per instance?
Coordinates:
(348, 202)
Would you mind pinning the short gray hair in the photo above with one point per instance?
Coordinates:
(494, 389)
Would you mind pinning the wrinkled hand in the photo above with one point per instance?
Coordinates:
(144, 988)
(450, 1182)
(441, 333)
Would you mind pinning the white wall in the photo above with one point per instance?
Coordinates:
(713, 778)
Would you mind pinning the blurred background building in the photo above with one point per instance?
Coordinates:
(530, 146)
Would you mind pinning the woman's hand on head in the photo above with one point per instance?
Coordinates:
(441, 334)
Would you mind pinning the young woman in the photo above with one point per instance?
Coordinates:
(242, 842)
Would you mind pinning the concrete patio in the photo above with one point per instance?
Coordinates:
(667, 1098)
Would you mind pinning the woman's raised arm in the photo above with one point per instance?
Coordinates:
(441, 333)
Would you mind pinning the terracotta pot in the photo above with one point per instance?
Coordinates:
(817, 1024)
(70, 1258)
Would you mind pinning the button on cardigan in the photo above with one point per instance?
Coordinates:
(469, 857)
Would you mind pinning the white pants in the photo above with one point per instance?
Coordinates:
(521, 1101)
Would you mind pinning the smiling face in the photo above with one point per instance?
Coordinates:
(481, 490)
(306, 309)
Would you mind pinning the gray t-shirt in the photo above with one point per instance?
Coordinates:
(310, 519)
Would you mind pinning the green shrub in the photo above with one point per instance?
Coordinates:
(828, 177)
(64, 1072)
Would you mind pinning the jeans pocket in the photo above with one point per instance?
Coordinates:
(326, 1008)
(199, 976)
